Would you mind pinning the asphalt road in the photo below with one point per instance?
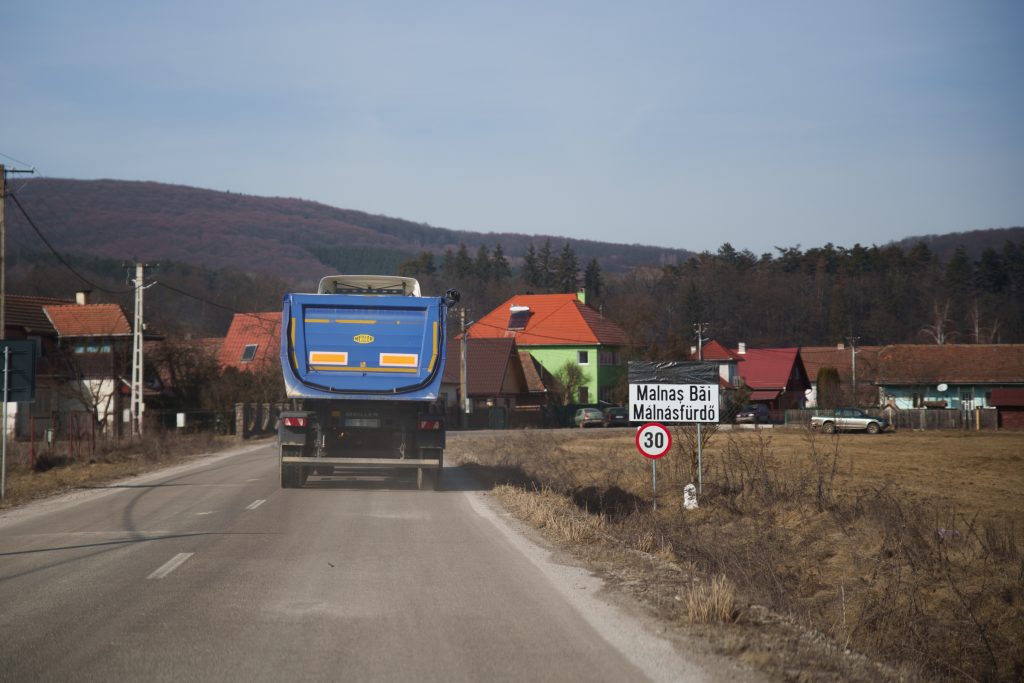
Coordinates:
(213, 572)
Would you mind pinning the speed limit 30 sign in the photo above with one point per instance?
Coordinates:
(653, 440)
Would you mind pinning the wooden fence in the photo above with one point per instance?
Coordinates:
(917, 418)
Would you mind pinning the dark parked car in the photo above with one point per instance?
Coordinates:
(755, 413)
(616, 417)
(588, 417)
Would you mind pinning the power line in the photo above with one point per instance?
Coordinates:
(92, 284)
(57, 254)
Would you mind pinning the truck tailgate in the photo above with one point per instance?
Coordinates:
(346, 344)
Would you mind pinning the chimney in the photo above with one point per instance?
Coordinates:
(741, 348)
(581, 294)
(693, 350)
(82, 297)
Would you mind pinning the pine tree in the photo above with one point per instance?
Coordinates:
(531, 267)
(566, 270)
(592, 280)
(462, 264)
(482, 264)
(500, 270)
(545, 274)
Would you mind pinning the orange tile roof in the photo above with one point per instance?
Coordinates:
(90, 320)
(554, 320)
(714, 350)
(262, 329)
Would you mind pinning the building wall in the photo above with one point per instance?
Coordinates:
(955, 395)
(601, 378)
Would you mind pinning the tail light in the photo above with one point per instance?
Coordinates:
(431, 424)
(294, 422)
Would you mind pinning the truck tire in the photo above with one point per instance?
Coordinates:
(873, 428)
(829, 427)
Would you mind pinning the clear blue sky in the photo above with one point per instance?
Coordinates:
(679, 124)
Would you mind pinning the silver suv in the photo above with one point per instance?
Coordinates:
(849, 419)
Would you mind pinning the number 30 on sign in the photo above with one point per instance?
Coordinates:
(653, 440)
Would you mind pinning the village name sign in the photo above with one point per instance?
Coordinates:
(673, 402)
(677, 391)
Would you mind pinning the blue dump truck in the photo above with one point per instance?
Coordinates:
(362, 361)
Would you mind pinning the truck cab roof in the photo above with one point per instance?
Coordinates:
(391, 285)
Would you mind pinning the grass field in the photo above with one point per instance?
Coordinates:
(902, 546)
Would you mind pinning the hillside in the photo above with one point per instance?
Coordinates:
(974, 241)
(291, 238)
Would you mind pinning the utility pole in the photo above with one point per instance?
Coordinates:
(700, 329)
(853, 367)
(464, 399)
(138, 406)
(3, 246)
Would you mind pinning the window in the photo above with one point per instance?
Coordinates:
(584, 394)
(583, 357)
(608, 357)
(249, 352)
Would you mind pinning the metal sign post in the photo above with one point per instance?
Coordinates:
(3, 457)
(19, 387)
(675, 392)
(653, 440)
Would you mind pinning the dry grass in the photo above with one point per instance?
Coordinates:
(711, 601)
(905, 547)
(54, 471)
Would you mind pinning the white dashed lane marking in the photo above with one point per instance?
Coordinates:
(170, 565)
(255, 504)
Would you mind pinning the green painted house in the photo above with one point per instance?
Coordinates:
(560, 329)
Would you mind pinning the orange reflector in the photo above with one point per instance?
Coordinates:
(328, 358)
(399, 360)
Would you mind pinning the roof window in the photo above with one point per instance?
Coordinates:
(249, 352)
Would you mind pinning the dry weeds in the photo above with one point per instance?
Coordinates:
(54, 471)
(711, 601)
(903, 547)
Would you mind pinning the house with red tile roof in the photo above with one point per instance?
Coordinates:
(775, 377)
(24, 319)
(253, 342)
(496, 384)
(96, 342)
(728, 362)
(560, 329)
(957, 376)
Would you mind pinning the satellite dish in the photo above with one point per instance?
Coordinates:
(942, 387)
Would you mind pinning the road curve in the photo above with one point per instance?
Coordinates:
(212, 571)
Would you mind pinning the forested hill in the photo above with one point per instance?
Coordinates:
(973, 243)
(290, 238)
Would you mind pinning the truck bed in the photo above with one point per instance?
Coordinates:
(351, 346)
